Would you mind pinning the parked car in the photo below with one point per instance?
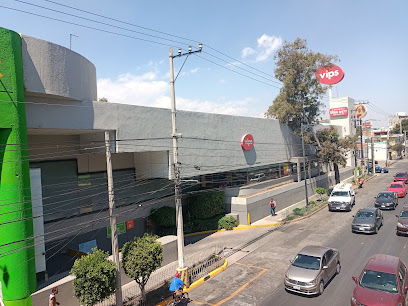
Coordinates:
(402, 224)
(258, 177)
(378, 169)
(342, 197)
(386, 200)
(384, 278)
(399, 188)
(401, 176)
(312, 268)
(367, 220)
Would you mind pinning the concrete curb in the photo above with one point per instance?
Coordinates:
(199, 282)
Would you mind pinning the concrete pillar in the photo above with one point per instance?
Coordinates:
(299, 174)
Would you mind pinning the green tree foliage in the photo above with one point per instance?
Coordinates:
(320, 191)
(227, 223)
(296, 67)
(140, 257)
(206, 205)
(398, 148)
(397, 130)
(333, 149)
(95, 277)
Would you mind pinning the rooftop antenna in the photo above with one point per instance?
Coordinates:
(70, 40)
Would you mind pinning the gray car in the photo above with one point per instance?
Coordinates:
(386, 200)
(312, 268)
(367, 220)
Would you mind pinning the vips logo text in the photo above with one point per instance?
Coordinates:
(247, 142)
(329, 75)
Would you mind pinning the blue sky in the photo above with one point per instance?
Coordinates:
(370, 38)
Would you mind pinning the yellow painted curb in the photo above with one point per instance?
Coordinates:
(199, 282)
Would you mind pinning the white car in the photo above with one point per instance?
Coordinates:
(342, 197)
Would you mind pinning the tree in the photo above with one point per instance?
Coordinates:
(320, 191)
(296, 67)
(398, 147)
(397, 130)
(140, 257)
(95, 277)
(103, 99)
(333, 149)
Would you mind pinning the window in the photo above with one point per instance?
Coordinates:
(329, 255)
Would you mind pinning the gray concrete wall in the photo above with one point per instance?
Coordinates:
(50, 69)
(258, 205)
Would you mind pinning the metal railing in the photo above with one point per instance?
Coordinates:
(201, 263)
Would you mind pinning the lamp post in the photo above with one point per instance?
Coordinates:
(304, 157)
(176, 165)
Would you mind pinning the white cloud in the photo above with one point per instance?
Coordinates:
(266, 45)
(147, 90)
(247, 51)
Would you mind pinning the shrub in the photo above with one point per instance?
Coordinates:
(140, 257)
(227, 222)
(312, 202)
(298, 211)
(95, 277)
(290, 217)
(320, 191)
(206, 205)
(206, 224)
(164, 216)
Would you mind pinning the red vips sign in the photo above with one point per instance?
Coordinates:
(329, 75)
(247, 142)
(338, 111)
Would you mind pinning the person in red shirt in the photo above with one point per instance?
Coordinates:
(272, 205)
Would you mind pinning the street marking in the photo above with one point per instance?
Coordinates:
(245, 285)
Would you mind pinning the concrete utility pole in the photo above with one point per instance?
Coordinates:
(304, 157)
(372, 156)
(361, 144)
(176, 165)
(388, 141)
(112, 218)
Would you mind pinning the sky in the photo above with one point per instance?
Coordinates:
(234, 73)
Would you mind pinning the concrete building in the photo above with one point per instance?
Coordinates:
(66, 152)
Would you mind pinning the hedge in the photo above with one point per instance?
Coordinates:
(206, 205)
(164, 217)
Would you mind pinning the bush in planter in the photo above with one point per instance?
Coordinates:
(227, 223)
(320, 191)
(164, 217)
(290, 217)
(208, 224)
(298, 211)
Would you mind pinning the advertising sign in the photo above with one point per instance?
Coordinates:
(329, 75)
(247, 142)
(361, 111)
(285, 169)
(120, 227)
(130, 224)
(338, 111)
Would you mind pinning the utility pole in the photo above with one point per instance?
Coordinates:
(70, 40)
(304, 157)
(361, 144)
(176, 165)
(112, 218)
(388, 140)
(372, 156)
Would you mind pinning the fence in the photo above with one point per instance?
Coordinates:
(201, 263)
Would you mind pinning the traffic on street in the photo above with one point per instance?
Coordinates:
(258, 278)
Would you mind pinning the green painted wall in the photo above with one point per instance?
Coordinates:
(17, 260)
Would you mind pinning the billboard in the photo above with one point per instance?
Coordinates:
(329, 75)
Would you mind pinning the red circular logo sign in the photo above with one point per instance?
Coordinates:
(329, 75)
(247, 142)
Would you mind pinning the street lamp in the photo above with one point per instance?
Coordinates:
(176, 165)
(304, 157)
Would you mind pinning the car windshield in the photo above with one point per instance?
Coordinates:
(400, 175)
(385, 196)
(307, 262)
(380, 281)
(395, 186)
(365, 214)
(339, 194)
(404, 214)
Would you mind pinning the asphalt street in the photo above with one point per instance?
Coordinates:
(256, 276)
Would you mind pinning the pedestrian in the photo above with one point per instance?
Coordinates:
(53, 297)
(272, 205)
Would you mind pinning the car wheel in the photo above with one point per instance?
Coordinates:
(321, 288)
(375, 230)
(338, 268)
(382, 220)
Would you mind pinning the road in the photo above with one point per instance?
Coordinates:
(256, 277)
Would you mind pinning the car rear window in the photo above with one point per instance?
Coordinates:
(379, 281)
(385, 196)
(395, 186)
(401, 175)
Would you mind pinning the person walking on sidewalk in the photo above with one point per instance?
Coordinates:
(272, 205)
(53, 298)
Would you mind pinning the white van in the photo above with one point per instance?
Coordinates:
(342, 197)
